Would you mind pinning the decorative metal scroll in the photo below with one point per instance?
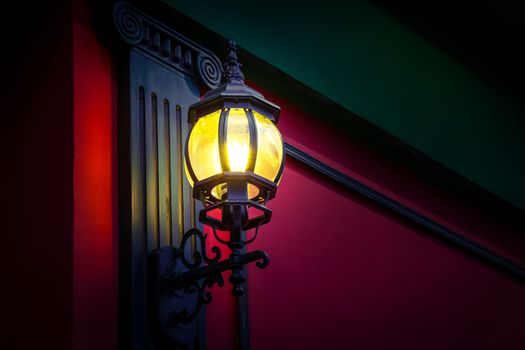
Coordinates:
(182, 280)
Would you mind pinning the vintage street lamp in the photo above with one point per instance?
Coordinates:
(234, 162)
(234, 158)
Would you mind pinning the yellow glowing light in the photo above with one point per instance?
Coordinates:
(204, 154)
(269, 148)
(203, 147)
(237, 140)
(238, 156)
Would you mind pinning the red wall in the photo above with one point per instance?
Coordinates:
(95, 176)
(58, 139)
(344, 273)
(349, 274)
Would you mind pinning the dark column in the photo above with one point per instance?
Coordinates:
(37, 175)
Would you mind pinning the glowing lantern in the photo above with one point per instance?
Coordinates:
(234, 153)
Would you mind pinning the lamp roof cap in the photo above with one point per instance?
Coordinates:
(233, 93)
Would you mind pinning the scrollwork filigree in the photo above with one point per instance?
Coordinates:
(190, 276)
(198, 255)
(264, 261)
(203, 298)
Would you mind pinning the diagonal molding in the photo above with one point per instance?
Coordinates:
(419, 219)
(136, 29)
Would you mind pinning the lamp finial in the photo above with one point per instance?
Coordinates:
(232, 68)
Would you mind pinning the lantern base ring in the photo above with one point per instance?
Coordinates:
(266, 188)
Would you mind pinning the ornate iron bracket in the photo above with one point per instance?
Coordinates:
(182, 278)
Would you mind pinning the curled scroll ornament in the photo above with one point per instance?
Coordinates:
(128, 24)
(208, 69)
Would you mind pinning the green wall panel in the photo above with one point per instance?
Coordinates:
(370, 63)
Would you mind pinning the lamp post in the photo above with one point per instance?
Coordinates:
(234, 162)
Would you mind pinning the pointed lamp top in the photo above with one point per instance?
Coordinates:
(232, 68)
(232, 93)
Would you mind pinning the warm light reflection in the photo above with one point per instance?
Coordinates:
(203, 147)
(204, 155)
(238, 156)
(269, 148)
(237, 140)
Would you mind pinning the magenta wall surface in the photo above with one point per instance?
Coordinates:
(345, 273)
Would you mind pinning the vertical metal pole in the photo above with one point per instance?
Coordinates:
(237, 215)
(242, 312)
(236, 245)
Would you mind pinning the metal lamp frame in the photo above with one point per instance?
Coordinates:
(182, 278)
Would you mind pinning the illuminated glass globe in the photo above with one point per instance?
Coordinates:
(234, 140)
(234, 151)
